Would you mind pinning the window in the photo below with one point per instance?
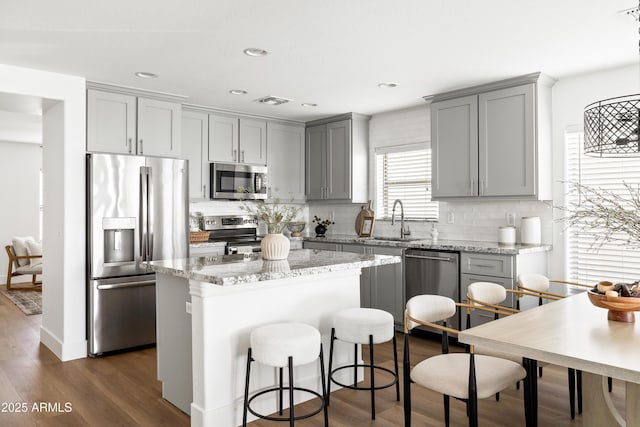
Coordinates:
(404, 172)
(612, 261)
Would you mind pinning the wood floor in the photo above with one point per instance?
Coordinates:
(122, 390)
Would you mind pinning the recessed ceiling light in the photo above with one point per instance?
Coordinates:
(387, 84)
(238, 92)
(146, 75)
(255, 51)
(309, 104)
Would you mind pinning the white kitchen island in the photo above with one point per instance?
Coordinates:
(202, 354)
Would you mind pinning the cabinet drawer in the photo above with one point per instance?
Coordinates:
(486, 264)
(323, 246)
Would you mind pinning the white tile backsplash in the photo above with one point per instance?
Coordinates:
(473, 220)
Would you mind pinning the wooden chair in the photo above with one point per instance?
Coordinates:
(15, 269)
(464, 376)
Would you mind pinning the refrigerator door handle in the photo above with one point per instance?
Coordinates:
(144, 213)
(150, 213)
(126, 285)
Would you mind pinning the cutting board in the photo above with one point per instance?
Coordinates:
(365, 211)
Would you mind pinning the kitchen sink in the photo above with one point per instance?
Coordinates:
(398, 239)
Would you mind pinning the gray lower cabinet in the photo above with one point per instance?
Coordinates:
(323, 246)
(381, 287)
(500, 269)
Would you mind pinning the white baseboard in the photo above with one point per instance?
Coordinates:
(63, 350)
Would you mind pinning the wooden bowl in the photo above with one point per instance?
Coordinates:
(620, 308)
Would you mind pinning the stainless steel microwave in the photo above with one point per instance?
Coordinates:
(237, 181)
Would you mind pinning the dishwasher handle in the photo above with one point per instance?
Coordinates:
(433, 258)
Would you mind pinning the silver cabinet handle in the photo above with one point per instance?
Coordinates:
(482, 266)
(141, 147)
(242, 155)
(204, 191)
(481, 189)
(235, 155)
(471, 192)
(129, 144)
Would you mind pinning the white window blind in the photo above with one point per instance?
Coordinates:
(612, 261)
(404, 172)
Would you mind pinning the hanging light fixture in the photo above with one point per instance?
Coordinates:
(612, 126)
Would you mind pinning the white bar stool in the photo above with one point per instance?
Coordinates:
(285, 345)
(364, 326)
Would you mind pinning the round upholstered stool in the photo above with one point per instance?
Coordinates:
(285, 345)
(364, 326)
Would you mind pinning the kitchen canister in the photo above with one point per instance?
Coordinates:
(507, 235)
(530, 230)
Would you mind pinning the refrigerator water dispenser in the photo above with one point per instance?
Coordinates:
(118, 240)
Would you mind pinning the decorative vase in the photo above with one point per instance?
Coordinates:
(320, 230)
(275, 246)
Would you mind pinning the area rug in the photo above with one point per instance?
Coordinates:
(30, 302)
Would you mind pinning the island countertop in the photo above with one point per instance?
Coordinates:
(237, 269)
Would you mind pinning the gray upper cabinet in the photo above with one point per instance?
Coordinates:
(315, 165)
(336, 153)
(494, 140)
(454, 138)
(237, 140)
(253, 141)
(111, 122)
(223, 138)
(506, 142)
(121, 122)
(159, 124)
(195, 147)
(285, 160)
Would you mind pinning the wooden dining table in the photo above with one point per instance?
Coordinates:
(574, 333)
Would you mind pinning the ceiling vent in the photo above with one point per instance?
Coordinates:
(272, 100)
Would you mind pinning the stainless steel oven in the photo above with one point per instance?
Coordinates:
(236, 181)
(238, 231)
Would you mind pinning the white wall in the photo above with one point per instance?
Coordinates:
(570, 96)
(64, 118)
(20, 164)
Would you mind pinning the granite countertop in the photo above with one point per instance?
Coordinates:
(441, 245)
(207, 244)
(238, 269)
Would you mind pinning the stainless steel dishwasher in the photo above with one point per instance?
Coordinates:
(433, 272)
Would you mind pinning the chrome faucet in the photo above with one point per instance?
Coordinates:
(403, 232)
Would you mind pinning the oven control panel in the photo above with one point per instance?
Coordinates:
(229, 222)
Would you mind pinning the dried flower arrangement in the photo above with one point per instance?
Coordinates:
(275, 214)
(607, 216)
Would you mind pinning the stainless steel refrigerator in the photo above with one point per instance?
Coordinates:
(137, 210)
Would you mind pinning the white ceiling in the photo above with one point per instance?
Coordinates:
(329, 52)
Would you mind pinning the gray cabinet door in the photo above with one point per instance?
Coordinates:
(253, 141)
(454, 145)
(315, 162)
(338, 180)
(285, 160)
(195, 145)
(111, 122)
(159, 128)
(387, 286)
(366, 276)
(506, 141)
(223, 139)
